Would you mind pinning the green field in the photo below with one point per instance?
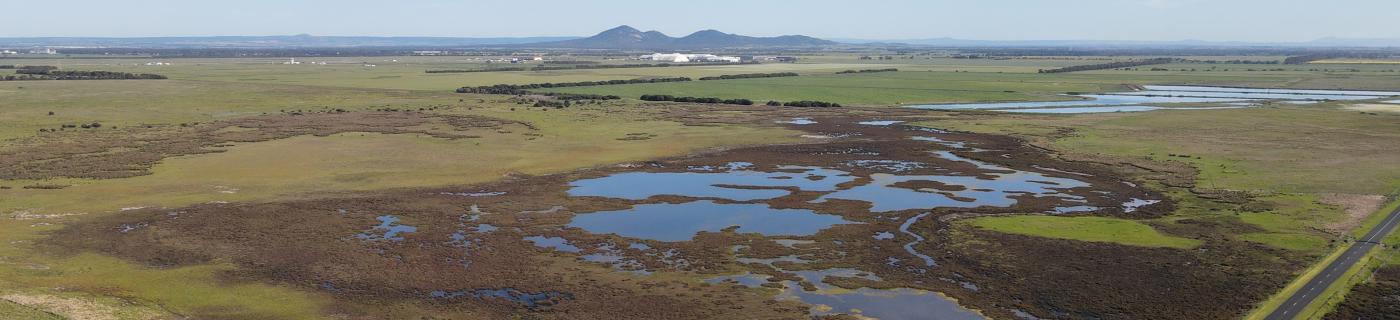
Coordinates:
(1094, 229)
(915, 87)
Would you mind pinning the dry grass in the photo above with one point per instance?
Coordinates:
(1375, 107)
(1357, 208)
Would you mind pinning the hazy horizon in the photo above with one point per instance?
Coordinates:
(1130, 20)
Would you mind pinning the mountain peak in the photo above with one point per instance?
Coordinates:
(621, 29)
(707, 32)
(626, 37)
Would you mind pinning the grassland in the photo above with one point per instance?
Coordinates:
(1287, 156)
(130, 103)
(1096, 229)
(910, 86)
(400, 73)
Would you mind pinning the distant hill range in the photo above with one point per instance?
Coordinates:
(625, 37)
(628, 38)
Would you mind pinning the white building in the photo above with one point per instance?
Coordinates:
(678, 57)
(8, 52)
(667, 57)
(43, 51)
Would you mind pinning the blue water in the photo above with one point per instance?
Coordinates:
(880, 122)
(746, 279)
(1135, 203)
(555, 243)
(799, 121)
(1090, 100)
(951, 144)
(909, 247)
(1247, 95)
(1074, 209)
(391, 228)
(1391, 101)
(1175, 94)
(1264, 90)
(1082, 109)
(643, 185)
(528, 299)
(884, 304)
(680, 222)
(996, 188)
(886, 165)
(996, 191)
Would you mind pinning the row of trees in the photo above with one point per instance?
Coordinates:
(525, 88)
(1111, 65)
(83, 75)
(811, 104)
(476, 70)
(745, 102)
(1342, 55)
(663, 97)
(751, 76)
(581, 96)
(633, 65)
(867, 71)
(571, 62)
(35, 69)
(1235, 61)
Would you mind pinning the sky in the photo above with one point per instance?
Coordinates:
(1154, 20)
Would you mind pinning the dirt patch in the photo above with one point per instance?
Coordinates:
(71, 308)
(1375, 107)
(131, 151)
(1357, 206)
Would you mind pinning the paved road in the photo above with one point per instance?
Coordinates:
(1300, 300)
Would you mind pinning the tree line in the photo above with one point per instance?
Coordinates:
(664, 97)
(82, 75)
(476, 70)
(745, 102)
(751, 76)
(577, 65)
(810, 104)
(633, 65)
(581, 96)
(525, 88)
(35, 69)
(867, 71)
(1303, 59)
(1111, 65)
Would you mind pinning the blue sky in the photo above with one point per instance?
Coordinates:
(1244, 20)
